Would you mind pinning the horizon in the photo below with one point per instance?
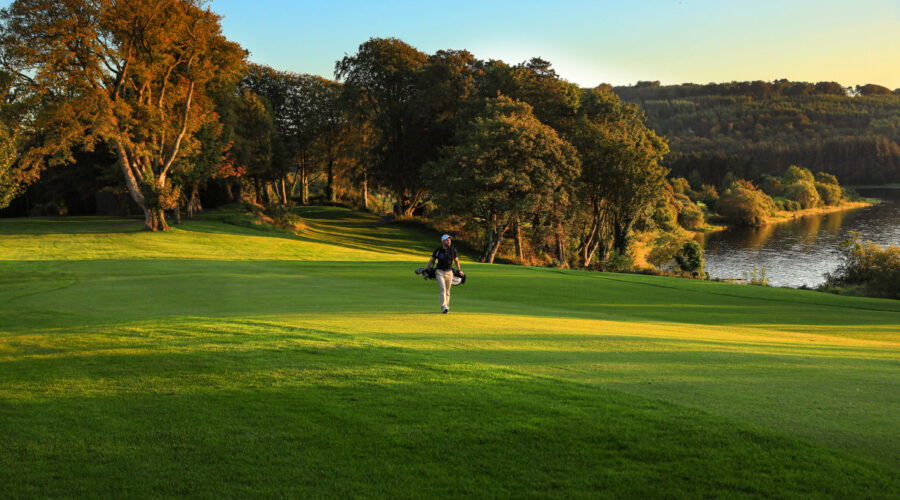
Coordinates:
(590, 43)
(602, 42)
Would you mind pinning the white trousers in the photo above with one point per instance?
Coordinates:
(445, 283)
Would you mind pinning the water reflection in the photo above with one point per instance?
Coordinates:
(801, 251)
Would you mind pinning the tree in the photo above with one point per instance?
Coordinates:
(506, 165)
(9, 187)
(872, 89)
(743, 204)
(621, 176)
(383, 79)
(132, 74)
(804, 193)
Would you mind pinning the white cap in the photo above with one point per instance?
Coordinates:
(445, 237)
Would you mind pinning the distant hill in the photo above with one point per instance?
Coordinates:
(751, 128)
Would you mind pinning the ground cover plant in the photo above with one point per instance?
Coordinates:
(221, 359)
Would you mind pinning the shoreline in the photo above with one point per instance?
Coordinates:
(785, 215)
(717, 225)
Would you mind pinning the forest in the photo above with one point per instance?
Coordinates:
(121, 111)
(756, 128)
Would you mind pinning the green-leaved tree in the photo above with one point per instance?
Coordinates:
(506, 164)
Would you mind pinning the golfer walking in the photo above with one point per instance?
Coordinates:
(445, 255)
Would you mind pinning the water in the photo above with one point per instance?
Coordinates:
(801, 251)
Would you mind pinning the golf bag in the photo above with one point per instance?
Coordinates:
(459, 277)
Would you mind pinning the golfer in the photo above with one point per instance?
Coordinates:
(445, 255)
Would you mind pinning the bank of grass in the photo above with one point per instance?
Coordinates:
(222, 360)
(786, 215)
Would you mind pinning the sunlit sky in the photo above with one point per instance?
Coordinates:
(592, 41)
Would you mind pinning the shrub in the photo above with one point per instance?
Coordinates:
(804, 193)
(831, 194)
(664, 249)
(867, 268)
(665, 216)
(680, 185)
(690, 258)
(745, 205)
(786, 204)
(756, 276)
(772, 186)
(707, 194)
(851, 194)
(795, 174)
(826, 178)
(618, 262)
(690, 216)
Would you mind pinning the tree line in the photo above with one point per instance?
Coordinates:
(756, 128)
(500, 151)
(150, 102)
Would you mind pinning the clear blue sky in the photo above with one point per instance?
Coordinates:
(590, 42)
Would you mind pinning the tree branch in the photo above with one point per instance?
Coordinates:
(184, 125)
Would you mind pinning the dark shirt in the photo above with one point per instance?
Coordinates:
(445, 257)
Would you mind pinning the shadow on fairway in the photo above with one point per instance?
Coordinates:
(382, 423)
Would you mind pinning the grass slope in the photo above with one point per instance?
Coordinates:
(224, 360)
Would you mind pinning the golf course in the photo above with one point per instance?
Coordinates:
(223, 359)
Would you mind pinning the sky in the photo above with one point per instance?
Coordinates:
(591, 42)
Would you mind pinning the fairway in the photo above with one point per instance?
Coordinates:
(222, 360)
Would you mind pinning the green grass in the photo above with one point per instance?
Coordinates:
(224, 360)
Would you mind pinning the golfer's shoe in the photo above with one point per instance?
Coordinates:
(445, 310)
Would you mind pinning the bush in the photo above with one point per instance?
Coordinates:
(690, 216)
(617, 262)
(756, 276)
(831, 194)
(867, 268)
(826, 178)
(665, 217)
(690, 258)
(664, 249)
(680, 185)
(772, 186)
(786, 204)
(795, 174)
(707, 195)
(803, 192)
(745, 205)
(851, 194)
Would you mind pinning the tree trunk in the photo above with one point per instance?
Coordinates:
(294, 183)
(257, 192)
(620, 236)
(193, 200)
(229, 194)
(155, 220)
(178, 213)
(365, 191)
(304, 186)
(495, 238)
(329, 187)
(588, 246)
(284, 193)
(517, 233)
(561, 257)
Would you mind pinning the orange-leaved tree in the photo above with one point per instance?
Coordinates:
(133, 74)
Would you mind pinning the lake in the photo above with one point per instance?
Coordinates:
(801, 251)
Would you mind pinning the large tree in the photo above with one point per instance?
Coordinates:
(621, 176)
(506, 165)
(383, 79)
(134, 74)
